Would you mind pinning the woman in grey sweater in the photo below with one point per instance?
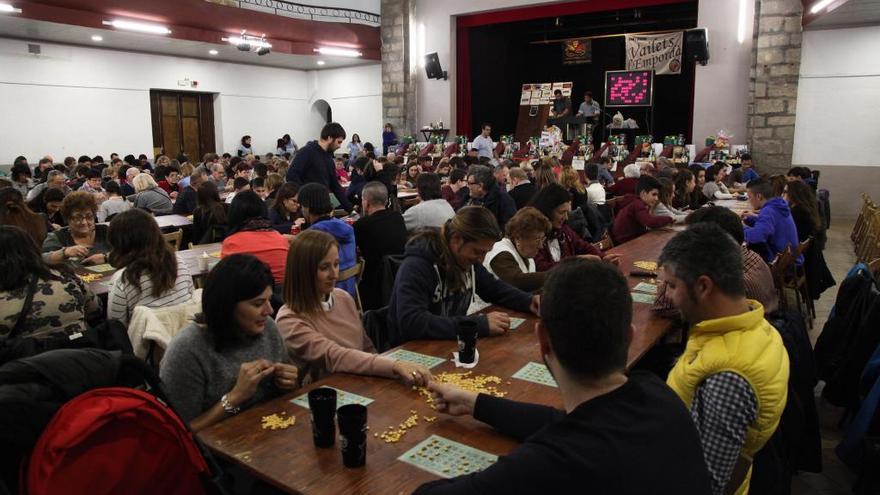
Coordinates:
(150, 196)
(232, 357)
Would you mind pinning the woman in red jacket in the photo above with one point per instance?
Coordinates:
(554, 201)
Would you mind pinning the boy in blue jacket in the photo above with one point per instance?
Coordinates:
(440, 275)
(772, 229)
(318, 212)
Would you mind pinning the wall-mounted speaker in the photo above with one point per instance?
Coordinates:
(432, 67)
(33, 49)
(696, 45)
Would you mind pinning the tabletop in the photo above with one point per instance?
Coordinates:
(168, 221)
(289, 460)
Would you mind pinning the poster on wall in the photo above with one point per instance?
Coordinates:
(577, 51)
(565, 87)
(658, 52)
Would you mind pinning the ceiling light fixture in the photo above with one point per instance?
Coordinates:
(321, 62)
(342, 52)
(97, 38)
(821, 4)
(213, 52)
(247, 43)
(5, 8)
(140, 27)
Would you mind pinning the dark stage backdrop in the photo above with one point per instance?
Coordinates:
(502, 59)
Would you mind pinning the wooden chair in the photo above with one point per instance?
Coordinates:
(797, 281)
(174, 239)
(781, 265)
(355, 272)
(612, 205)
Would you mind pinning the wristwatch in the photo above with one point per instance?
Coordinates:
(227, 407)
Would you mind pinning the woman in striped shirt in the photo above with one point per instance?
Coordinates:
(149, 272)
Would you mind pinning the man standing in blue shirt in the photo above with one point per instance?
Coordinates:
(483, 143)
(314, 163)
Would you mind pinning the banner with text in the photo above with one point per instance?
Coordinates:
(661, 52)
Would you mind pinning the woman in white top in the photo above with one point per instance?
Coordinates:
(149, 272)
(511, 258)
(715, 188)
(664, 206)
(354, 148)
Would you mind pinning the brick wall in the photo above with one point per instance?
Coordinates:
(398, 78)
(776, 60)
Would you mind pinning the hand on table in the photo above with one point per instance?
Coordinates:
(535, 307)
(250, 375)
(451, 399)
(589, 257)
(499, 322)
(412, 374)
(286, 376)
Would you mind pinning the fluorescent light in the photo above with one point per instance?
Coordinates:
(321, 62)
(253, 42)
(342, 52)
(9, 9)
(741, 22)
(141, 27)
(97, 38)
(421, 43)
(213, 52)
(821, 4)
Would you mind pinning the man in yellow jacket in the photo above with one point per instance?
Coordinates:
(733, 375)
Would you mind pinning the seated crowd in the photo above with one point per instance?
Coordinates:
(284, 305)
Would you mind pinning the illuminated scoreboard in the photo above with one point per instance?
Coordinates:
(629, 88)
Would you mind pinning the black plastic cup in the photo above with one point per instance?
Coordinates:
(467, 341)
(322, 402)
(353, 434)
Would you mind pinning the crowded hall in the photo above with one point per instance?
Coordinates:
(439, 247)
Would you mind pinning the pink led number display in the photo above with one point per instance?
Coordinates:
(629, 88)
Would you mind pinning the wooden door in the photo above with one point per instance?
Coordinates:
(183, 122)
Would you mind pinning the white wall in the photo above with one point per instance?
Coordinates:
(721, 88)
(355, 96)
(77, 100)
(838, 98)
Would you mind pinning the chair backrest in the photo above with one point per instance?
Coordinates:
(376, 328)
(356, 271)
(390, 265)
(174, 239)
(780, 266)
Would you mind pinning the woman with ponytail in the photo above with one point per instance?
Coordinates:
(451, 259)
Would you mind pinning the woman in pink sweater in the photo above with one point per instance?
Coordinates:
(321, 325)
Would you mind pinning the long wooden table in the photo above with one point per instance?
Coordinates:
(289, 460)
